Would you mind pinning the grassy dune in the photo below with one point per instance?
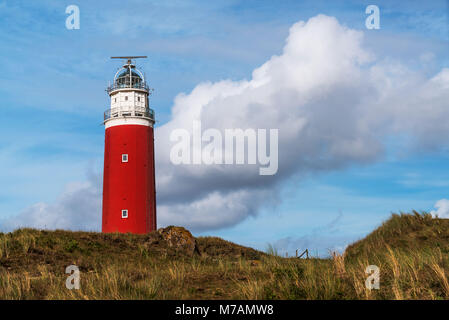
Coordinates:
(411, 250)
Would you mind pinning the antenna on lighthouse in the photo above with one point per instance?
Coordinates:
(128, 58)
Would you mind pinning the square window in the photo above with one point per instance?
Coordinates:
(125, 214)
(125, 157)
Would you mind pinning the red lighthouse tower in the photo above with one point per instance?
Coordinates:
(129, 195)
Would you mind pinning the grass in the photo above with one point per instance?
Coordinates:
(411, 251)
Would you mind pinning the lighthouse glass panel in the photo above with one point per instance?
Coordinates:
(128, 80)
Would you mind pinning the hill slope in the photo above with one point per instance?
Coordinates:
(407, 232)
(166, 264)
(411, 251)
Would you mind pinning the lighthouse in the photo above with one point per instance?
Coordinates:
(129, 192)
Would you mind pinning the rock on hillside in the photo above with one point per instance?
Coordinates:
(179, 239)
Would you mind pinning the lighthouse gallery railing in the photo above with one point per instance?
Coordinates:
(140, 85)
(118, 112)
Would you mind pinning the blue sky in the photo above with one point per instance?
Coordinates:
(53, 80)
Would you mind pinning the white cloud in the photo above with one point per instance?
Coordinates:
(333, 102)
(203, 214)
(442, 209)
(77, 208)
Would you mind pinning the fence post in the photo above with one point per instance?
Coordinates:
(305, 252)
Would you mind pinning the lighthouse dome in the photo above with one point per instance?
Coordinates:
(128, 79)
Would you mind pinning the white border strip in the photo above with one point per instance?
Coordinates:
(125, 121)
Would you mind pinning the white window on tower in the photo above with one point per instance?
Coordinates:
(138, 99)
(126, 98)
(125, 157)
(125, 214)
